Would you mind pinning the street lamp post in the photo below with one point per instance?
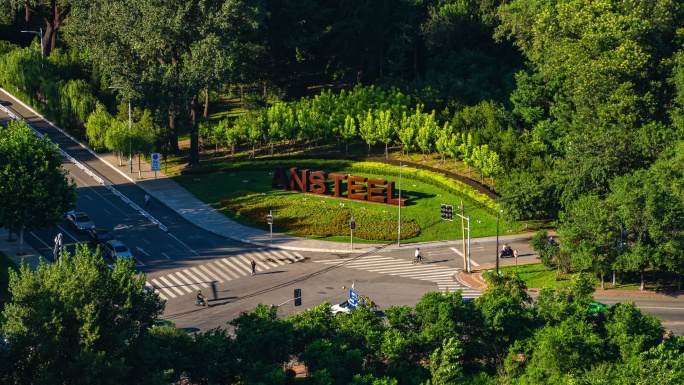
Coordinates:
(39, 33)
(497, 240)
(399, 227)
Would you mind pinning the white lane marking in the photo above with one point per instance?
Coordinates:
(218, 268)
(204, 277)
(102, 196)
(211, 274)
(161, 287)
(181, 242)
(461, 254)
(146, 241)
(276, 257)
(247, 266)
(41, 241)
(65, 231)
(107, 211)
(229, 269)
(151, 288)
(181, 284)
(457, 251)
(140, 249)
(262, 259)
(86, 195)
(167, 257)
(239, 270)
(189, 282)
(138, 261)
(297, 254)
(197, 280)
(170, 286)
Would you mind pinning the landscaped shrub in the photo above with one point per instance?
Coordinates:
(313, 216)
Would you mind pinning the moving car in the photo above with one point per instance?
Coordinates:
(341, 308)
(79, 221)
(99, 237)
(116, 249)
(597, 307)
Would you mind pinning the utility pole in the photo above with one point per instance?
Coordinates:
(497, 240)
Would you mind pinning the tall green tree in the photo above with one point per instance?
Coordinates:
(78, 321)
(34, 188)
(168, 51)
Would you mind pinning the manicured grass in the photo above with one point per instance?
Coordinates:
(246, 196)
(537, 276)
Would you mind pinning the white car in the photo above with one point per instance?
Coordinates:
(116, 249)
(341, 308)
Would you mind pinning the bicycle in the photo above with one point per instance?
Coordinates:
(417, 260)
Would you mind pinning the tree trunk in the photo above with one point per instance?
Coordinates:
(139, 170)
(173, 130)
(206, 102)
(194, 133)
(642, 280)
(603, 282)
(613, 278)
(21, 239)
(386, 152)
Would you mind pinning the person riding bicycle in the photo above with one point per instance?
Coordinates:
(418, 256)
(147, 200)
(200, 296)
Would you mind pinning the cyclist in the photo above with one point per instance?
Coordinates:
(418, 256)
(147, 200)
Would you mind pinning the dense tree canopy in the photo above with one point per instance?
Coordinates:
(34, 188)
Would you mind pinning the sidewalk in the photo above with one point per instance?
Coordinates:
(11, 250)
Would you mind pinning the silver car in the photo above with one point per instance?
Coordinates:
(79, 221)
(116, 249)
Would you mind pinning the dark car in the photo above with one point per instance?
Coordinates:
(79, 221)
(99, 236)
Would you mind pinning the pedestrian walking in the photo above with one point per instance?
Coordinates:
(253, 267)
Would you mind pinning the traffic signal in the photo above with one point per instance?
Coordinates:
(298, 297)
(450, 212)
(444, 211)
(352, 224)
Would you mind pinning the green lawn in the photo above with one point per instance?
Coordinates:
(246, 197)
(537, 276)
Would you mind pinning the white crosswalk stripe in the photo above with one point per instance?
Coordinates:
(443, 276)
(190, 280)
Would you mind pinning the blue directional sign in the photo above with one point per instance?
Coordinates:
(355, 299)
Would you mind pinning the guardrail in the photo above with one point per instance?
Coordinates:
(85, 169)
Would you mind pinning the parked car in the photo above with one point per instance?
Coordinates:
(99, 237)
(116, 249)
(79, 221)
(597, 307)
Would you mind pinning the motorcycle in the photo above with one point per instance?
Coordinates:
(200, 302)
(507, 252)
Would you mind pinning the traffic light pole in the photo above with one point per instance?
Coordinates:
(270, 222)
(352, 226)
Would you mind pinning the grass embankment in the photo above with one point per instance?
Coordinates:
(247, 197)
(537, 276)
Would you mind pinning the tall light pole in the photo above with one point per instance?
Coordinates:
(39, 33)
(399, 227)
(497, 240)
(130, 142)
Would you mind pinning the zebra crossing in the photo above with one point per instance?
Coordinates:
(195, 278)
(443, 276)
